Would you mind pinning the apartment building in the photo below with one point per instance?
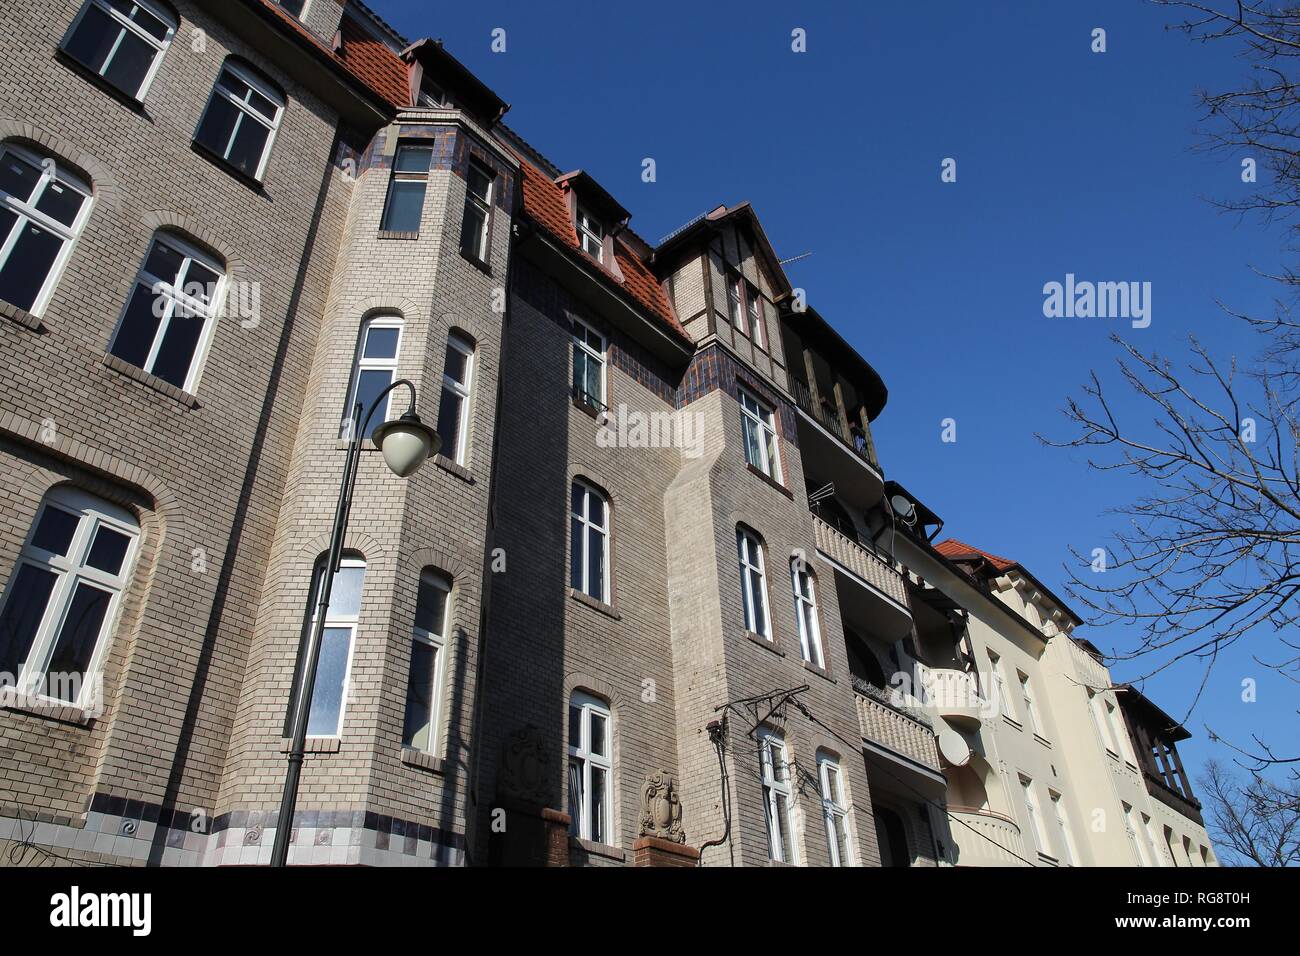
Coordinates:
(653, 603)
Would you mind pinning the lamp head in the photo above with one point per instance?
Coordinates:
(407, 443)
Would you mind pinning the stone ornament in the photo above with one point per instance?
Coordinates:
(523, 766)
(661, 809)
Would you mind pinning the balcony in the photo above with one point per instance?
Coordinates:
(954, 696)
(874, 591)
(985, 838)
(893, 727)
(830, 448)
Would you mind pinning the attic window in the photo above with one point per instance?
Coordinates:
(591, 235)
(433, 96)
(294, 8)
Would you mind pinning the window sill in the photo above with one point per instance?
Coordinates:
(451, 467)
(1043, 740)
(821, 672)
(225, 165)
(769, 480)
(423, 761)
(598, 849)
(11, 699)
(595, 604)
(398, 236)
(587, 408)
(21, 317)
(1048, 859)
(476, 262)
(137, 374)
(314, 745)
(1013, 722)
(90, 76)
(765, 643)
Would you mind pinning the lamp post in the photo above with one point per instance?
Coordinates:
(406, 443)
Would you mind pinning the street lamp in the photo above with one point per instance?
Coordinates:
(406, 443)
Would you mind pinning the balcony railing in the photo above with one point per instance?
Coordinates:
(894, 726)
(852, 556)
(953, 694)
(829, 417)
(985, 838)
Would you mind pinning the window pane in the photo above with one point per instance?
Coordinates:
(201, 282)
(61, 203)
(575, 556)
(249, 145)
(80, 631)
(28, 265)
(55, 531)
(598, 735)
(419, 696)
(842, 835)
(575, 794)
(176, 354)
(575, 726)
(413, 159)
(150, 24)
(345, 596)
(479, 183)
(598, 797)
(327, 697)
(263, 105)
(29, 593)
(756, 593)
(370, 383)
(130, 63)
(783, 823)
(595, 564)
(431, 608)
(456, 364)
(139, 326)
(381, 342)
(109, 550)
(218, 123)
(164, 262)
(449, 422)
(405, 205)
(93, 38)
(472, 231)
(753, 454)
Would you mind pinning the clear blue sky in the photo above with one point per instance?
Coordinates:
(1067, 161)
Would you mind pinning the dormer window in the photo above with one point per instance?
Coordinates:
(294, 8)
(591, 235)
(433, 96)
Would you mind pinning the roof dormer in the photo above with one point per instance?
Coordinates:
(597, 217)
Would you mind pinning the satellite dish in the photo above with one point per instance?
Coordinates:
(954, 748)
(903, 508)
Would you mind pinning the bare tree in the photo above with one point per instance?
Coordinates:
(1253, 822)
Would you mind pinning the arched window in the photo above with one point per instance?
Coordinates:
(241, 119)
(122, 41)
(753, 583)
(591, 767)
(169, 319)
(778, 797)
(835, 810)
(43, 208)
(891, 835)
(64, 594)
(589, 541)
(805, 612)
(375, 369)
(428, 663)
(329, 693)
(457, 382)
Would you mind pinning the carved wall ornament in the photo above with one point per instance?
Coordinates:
(661, 809)
(523, 767)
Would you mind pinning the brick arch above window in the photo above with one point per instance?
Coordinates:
(98, 175)
(196, 232)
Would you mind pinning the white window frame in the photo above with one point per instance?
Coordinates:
(835, 809)
(461, 390)
(1035, 815)
(770, 744)
(1000, 686)
(735, 300)
(590, 230)
(260, 86)
(581, 344)
(805, 612)
(754, 309)
(333, 621)
(755, 414)
(1070, 850)
(439, 643)
(1031, 713)
(382, 320)
(581, 825)
(209, 311)
(50, 172)
(484, 205)
(750, 550)
(124, 22)
(590, 491)
(301, 15)
(70, 570)
(408, 176)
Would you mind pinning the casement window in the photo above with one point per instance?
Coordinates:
(591, 768)
(591, 235)
(329, 694)
(1069, 852)
(169, 319)
(754, 305)
(588, 365)
(777, 797)
(1131, 828)
(1027, 697)
(121, 41)
(428, 664)
(589, 542)
(1123, 748)
(242, 118)
(42, 211)
(433, 96)
(374, 371)
(758, 425)
(63, 595)
(453, 412)
(1035, 816)
(1000, 686)
(478, 211)
(835, 811)
(735, 303)
(753, 584)
(1099, 722)
(295, 8)
(1149, 832)
(404, 207)
(805, 611)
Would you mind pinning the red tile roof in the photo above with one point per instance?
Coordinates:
(545, 204)
(954, 550)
